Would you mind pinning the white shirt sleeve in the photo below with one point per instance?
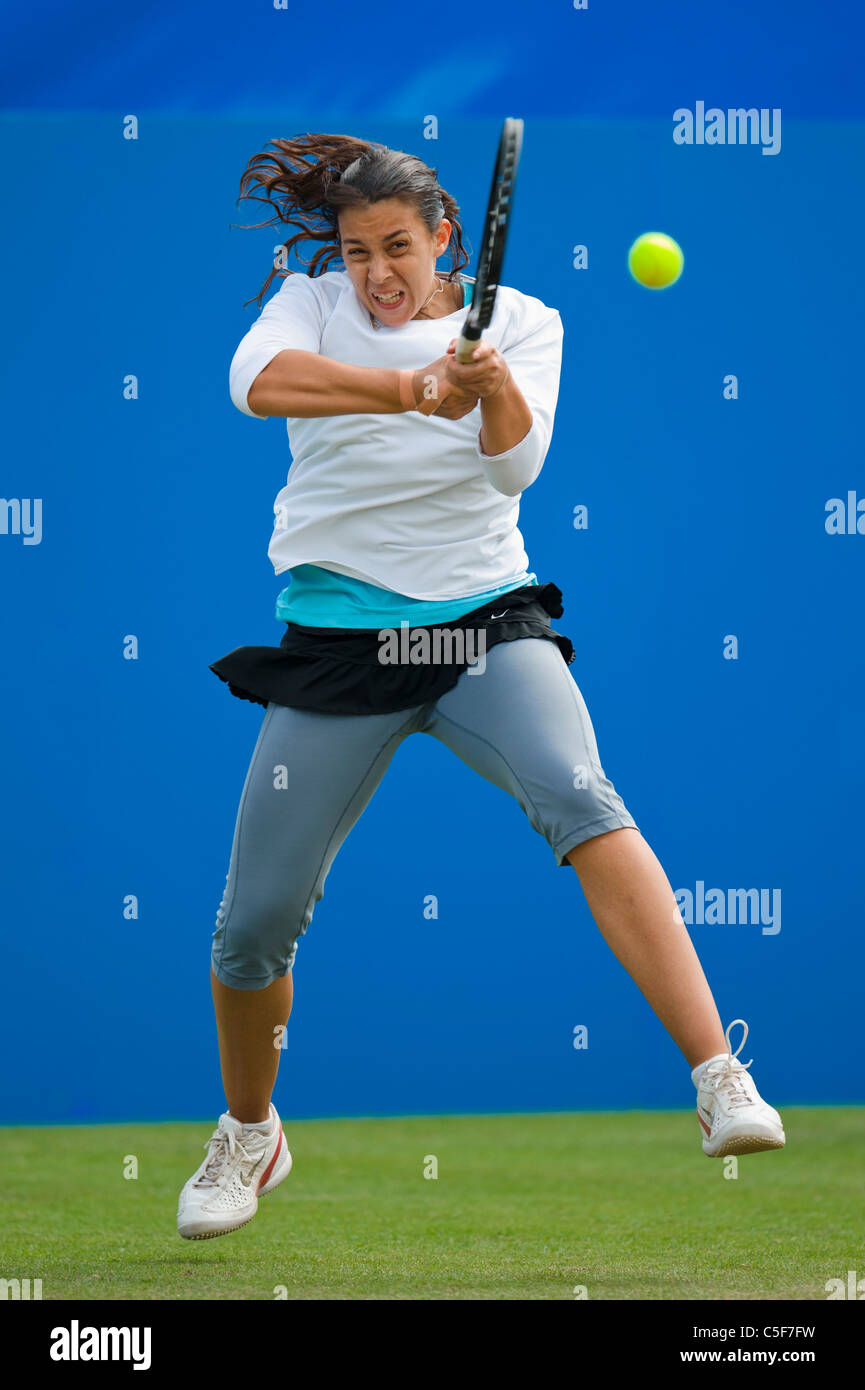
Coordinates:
(293, 318)
(535, 360)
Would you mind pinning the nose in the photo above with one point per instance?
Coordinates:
(379, 270)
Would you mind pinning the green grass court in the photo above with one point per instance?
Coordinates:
(524, 1207)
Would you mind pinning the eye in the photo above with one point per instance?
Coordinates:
(395, 245)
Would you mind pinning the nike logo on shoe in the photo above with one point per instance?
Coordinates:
(247, 1182)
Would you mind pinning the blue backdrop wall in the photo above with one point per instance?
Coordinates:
(707, 519)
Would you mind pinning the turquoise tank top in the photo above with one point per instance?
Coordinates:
(319, 597)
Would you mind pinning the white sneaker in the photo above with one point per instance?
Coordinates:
(734, 1118)
(223, 1194)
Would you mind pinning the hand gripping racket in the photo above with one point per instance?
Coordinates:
(495, 235)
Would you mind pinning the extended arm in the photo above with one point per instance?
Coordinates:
(305, 385)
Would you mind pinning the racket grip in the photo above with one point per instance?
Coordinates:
(466, 345)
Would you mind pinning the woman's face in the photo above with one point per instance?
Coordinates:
(390, 257)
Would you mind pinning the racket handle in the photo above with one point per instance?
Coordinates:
(466, 344)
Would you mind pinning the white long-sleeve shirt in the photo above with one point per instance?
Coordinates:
(406, 501)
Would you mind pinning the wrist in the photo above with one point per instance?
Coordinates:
(406, 389)
(502, 384)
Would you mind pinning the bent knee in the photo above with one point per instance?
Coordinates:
(256, 943)
(586, 808)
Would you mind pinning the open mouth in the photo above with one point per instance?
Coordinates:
(393, 300)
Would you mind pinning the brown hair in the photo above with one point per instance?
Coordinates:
(307, 180)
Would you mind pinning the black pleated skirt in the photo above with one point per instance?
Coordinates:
(339, 671)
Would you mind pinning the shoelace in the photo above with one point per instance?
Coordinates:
(221, 1139)
(728, 1074)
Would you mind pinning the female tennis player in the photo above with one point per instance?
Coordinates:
(401, 507)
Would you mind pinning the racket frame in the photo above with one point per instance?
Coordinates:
(499, 208)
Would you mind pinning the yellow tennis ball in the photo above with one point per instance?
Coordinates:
(656, 260)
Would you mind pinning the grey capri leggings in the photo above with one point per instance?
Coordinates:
(521, 723)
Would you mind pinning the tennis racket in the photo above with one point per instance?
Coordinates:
(495, 235)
